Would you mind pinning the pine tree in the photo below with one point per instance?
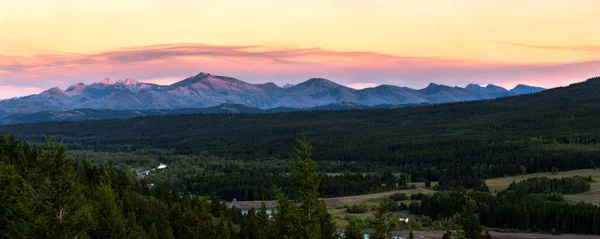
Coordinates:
(263, 223)
(469, 221)
(15, 204)
(133, 229)
(286, 216)
(198, 221)
(326, 222)
(306, 181)
(55, 192)
(383, 222)
(353, 231)
(223, 229)
(153, 232)
(108, 214)
(306, 217)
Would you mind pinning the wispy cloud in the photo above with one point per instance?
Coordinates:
(585, 48)
(167, 63)
(183, 51)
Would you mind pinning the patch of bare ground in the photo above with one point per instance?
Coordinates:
(338, 201)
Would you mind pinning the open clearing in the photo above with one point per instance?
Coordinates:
(495, 185)
(593, 196)
(335, 204)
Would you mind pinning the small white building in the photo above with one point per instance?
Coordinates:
(160, 166)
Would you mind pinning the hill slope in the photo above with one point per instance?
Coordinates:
(104, 114)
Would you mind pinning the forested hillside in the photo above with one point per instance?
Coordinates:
(456, 144)
(44, 194)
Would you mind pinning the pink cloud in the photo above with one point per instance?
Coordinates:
(165, 80)
(586, 48)
(168, 63)
(10, 91)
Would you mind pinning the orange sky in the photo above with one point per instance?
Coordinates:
(412, 43)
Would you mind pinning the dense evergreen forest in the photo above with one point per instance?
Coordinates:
(43, 194)
(573, 185)
(243, 180)
(456, 144)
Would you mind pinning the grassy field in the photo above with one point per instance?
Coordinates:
(341, 215)
(335, 205)
(593, 196)
(495, 185)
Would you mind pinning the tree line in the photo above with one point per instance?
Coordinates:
(531, 205)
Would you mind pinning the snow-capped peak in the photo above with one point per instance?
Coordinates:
(75, 86)
(107, 81)
(128, 81)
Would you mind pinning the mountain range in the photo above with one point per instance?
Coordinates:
(206, 90)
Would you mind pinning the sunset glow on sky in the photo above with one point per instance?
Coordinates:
(358, 43)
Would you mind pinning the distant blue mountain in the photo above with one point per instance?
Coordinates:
(205, 90)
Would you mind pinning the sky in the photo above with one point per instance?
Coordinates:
(358, 43)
